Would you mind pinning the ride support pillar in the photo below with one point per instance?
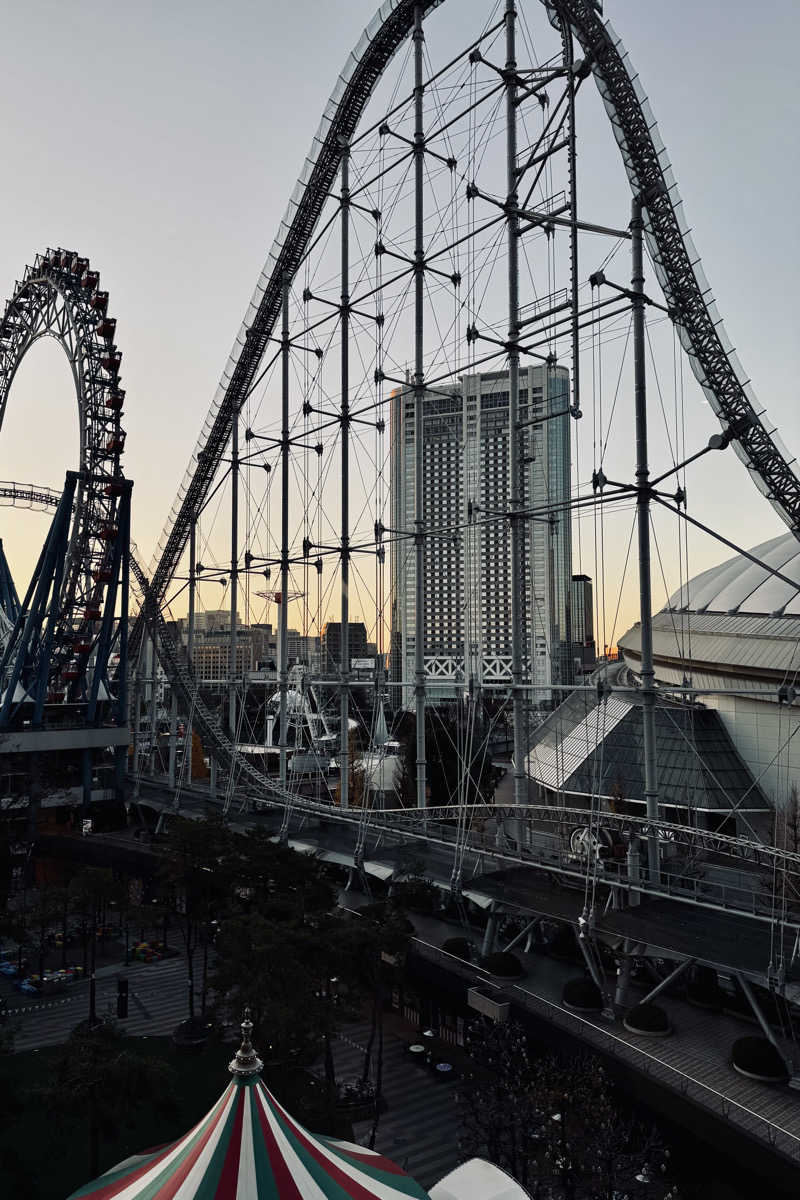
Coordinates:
(420, 607)
(489, 933)
(643, 490)
(519, 698)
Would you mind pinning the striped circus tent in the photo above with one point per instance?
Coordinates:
(248, 1148)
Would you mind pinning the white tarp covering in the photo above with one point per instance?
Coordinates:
(477, 1179)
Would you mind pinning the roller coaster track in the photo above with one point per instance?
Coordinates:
(265, 793)
(204, 721)
(676, 263)
(650, 175)
(438, 822)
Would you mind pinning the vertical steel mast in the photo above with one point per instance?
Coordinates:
(283, 672)
(234, 573)
(344, 695)
(518, 590)
(643, 521)
(420, 617)
(572, 159)
(187, 741)
(154, 700)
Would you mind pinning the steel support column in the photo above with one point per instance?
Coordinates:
(515, 499)
(665, 983)
(187, 741)
(137, 723)
(153, 698)
(173, 737)
(122, 716)
(766, 1028)
(643, 521)
(487, 945)
(523, 934)
(569, 62)
(420, 614)
(283, 672)
(344, 668)
(234, 573)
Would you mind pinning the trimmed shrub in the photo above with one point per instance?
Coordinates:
(757, 1058)
(420, 895)
(191, 1034)
(502, 964)
(383, 909)
(280, 910)
(582, 995)
(649, 1020)
(562, 944)
(703, 989)
(461, 947)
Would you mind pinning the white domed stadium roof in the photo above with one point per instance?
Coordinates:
(740, 586)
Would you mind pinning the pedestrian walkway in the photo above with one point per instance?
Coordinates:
(419, 1128)
(158, 999)
(694, 1062)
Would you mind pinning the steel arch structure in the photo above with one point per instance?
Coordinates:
(60, 297)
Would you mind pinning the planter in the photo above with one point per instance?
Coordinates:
(495, 1006)
(757, 1058)
(648, 1020)
(582, 996)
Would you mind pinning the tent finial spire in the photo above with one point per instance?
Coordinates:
(246, 1061)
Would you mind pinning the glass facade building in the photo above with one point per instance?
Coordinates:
(584, 650)
(467, 549)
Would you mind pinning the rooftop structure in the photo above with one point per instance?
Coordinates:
(733, 633)
(248, 1145)
(592, 748)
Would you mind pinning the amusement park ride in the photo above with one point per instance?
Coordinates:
(424, 236)
(67, 639)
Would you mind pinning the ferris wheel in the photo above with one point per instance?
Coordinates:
(60, 297)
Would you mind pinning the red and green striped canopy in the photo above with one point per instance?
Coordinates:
(249, 1148)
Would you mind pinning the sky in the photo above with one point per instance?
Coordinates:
(163, 140)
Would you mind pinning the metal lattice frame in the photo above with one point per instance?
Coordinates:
(59, 296)
(649, 172)
(341, 118)
(679, 273)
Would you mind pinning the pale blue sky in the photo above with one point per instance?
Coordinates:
(162, 140)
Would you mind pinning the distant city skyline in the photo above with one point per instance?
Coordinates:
(180, 104)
